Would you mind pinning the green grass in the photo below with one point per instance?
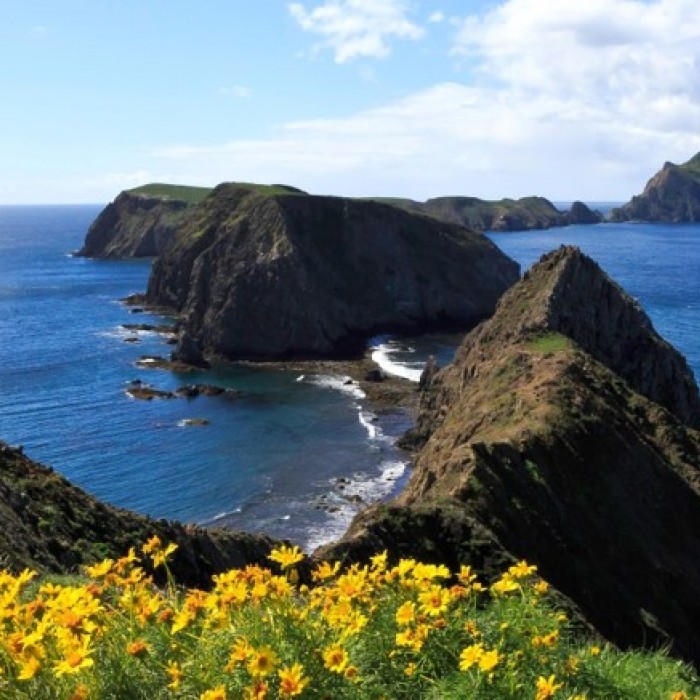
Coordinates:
(549, 343)
(182, 193)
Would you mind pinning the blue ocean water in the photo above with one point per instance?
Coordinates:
(271, 459)
(291, 456)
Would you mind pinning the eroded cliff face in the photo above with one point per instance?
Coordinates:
(672, 195)
(263, 276)
(49, 525)
(545, 440)
(523, 214)
(140, 222)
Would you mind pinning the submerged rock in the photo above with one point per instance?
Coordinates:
(565, 433)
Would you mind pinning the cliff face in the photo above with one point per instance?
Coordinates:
(672, 195)
(260, 275)
(501, 215)
(546, 440)
(49, 525)
(140, 222)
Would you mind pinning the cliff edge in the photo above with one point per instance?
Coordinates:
(140, 222)
(261, 275)
(565, 433)
(671, 196)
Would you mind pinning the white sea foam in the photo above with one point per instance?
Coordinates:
(337, 382)
(382, 355)
(358, 492)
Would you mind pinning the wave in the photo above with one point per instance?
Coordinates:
(338, 382)
(383, 354)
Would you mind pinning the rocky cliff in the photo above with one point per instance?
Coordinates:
(49, 525)
(565, 433)
(672, 195)
(262, 274)
(500, 215)
(140, 222)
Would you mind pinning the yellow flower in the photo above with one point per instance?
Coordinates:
(82, 692)
(286, 556)
(100, 570)
(541, 587)
(546, 687)
(324, 571)
(470, 656)
(258, 691)
(506, 584)
(546, 640)
(406, 613)
(595, 650)
(434, 601)
(410, 669)
(75, 660)
(489, 660)
(261, 662)
(152, 545)
(352, 674)
(160, 557)
(521, 570)
(175, 674)
(218, 693)
(29, 666)
(292, 681)
(335, 659)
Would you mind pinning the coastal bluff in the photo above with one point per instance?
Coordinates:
(670, 196)
(274, 273)
(50, 525)
(524, 214)
(140, 222)
(564, 433)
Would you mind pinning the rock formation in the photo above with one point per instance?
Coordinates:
(501, 215)
(672, 195)
(565, 433)
(140, 222)
(273, 274)
(49, 525)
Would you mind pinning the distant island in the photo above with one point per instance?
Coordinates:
(671, 196)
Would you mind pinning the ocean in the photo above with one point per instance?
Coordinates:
(292, 455)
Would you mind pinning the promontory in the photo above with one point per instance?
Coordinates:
(273, 273)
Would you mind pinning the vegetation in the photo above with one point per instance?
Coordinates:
(549, 342)
(408, 631)
(182, 193)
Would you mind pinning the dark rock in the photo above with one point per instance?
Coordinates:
(147, 393)
(564, 433)
(672, 195)
(49, 525)
(137, 310)
(188, 422)
(429, 371)
(582, 214)
(189, 351)
(132, 339)
(375, 375)
(290, 275)
(140, 222)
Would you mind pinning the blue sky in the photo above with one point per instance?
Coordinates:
(562, 98)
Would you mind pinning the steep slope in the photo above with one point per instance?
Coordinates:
(672, 195)
(500, 215)
(267, 275)
(50, 525)
(140, 222)
(535, 446)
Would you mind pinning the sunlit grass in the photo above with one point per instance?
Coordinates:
(412, 630)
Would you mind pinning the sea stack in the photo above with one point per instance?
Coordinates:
(565, 433)
(269, 273)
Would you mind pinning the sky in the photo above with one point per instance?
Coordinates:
(567, 99)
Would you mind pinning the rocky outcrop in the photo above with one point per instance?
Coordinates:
(502, 215)
(49, 525)
(261, 275)
(672, 195)
(565, 433)
(140, 222)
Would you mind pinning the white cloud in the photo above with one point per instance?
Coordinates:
(239, 91)
(585, 102)
(436, 17)
(357, 28)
